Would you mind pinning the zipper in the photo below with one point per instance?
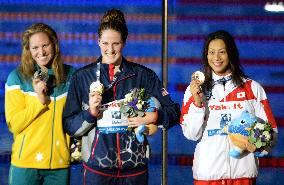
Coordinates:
(224, 90)
(52, 133)
(228, 151)
(95, 144)
(118, 135)
(118, 153)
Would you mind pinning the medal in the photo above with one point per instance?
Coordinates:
(198, 75)
(41, 75)
(97, 87)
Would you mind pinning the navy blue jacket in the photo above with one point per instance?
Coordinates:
(118, 154)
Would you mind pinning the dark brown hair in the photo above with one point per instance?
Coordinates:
(114, 19)
(233, 54)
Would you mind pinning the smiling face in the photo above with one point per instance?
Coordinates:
(41, 49)
(111, 46)
(218, 58)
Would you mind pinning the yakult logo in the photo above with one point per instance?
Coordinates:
(114, 104)
(226, 107)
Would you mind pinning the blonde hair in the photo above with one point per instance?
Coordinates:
(114, 19)
(27, 65)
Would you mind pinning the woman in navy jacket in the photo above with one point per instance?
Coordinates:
(114, 157)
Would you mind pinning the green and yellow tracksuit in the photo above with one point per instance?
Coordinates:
(39, 140)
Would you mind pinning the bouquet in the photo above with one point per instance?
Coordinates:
(136, 103)
(260, 135)
(75, 150)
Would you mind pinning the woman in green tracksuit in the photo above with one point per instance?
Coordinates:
(35, 96)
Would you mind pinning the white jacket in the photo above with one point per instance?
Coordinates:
(225, 103)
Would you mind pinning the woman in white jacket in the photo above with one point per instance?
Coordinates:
(211, 104)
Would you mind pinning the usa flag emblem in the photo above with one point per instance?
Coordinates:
(164, 92)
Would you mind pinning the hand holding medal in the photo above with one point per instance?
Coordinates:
(39, 84)
(197, 79)
(95, 97)
(198, 75)
(41, 75)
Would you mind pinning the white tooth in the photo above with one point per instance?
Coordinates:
(218, 63)
(110, 54)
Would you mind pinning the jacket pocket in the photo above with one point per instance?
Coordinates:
(22, 146)
(96, 140)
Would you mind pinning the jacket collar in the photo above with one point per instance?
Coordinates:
(221, 79)
(126, 70)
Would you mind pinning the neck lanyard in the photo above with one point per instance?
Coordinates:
(98, 74)
(223, 80)
(98, 71)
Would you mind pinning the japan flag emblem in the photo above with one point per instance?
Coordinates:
(241, 95)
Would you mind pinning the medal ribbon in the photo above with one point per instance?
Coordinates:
(113, 77)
